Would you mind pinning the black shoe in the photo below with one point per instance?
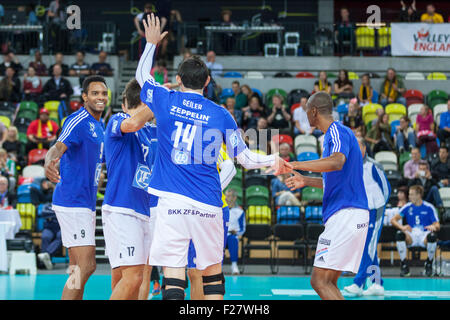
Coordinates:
(404, 270)
(428, 268)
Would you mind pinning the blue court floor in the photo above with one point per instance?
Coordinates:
(49, 287)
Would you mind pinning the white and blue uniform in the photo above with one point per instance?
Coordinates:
(418, 217)
(378, 190)
(127, 225)
(237, 223)
(345, 208)
(75, 196)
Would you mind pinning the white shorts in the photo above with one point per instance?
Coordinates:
(127, 238)
(77, 226)
(177, 222)
(418, 237)
(341, 244)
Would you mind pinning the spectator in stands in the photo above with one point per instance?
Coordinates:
(79, 68)
(10, 60)
(241, 99)
(10, 87)
(2, 13)
(365, 93)
(102, 67)
(8, 168)
(252, 113)
(148, 9)
(425, 130)
(344, 32)
(236, 228)
(32, 18)
(51, 237)
(380, 135)
(57, 87)
(440, 168)
(379, 112)
(404, 137)
(412, 166)
(41, 132)
(159, 72)
(285, 152)
(392, 89)
(248, 92)
(13, 146)
(231, 107)
(32, 85)
(322, 84)
(282, 195)
(186, 53)
(409, 14)
(443, 132)
(353, 118)
(301, 122)
(215, 67)
(359, 133)
(343, 87)
(170, 42)
(280, 117)
(44, 194)
(38, 65)
(227, 39)
(431, 16)
(59, 59)
(56, 14)
(263, 137)
(424, 178)
(8, 199)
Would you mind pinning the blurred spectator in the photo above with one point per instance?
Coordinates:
(12, 145)
(359, 133)
(263, 137)
(32, 85)
(57, 87)
(380, 135)
(402, 194)
(231, 107)
(227, 39)
(2, 14)
(41, 132)
(159, 72)
(101, 67)
(280, 117)
(343, 87)
(425, 130)
(409, 14)
(322, 84)
(353, 118)
(169, 45)
(186, 53)
(344, 32)
(404, 137)
(431, 16)
(10, 60)
(379, 112)
(282, 195)
(38, 65)
(32, 18)
(443, 132)
(424, 178)
(440, 168)
(8, 168)
(8, 199)
(285, 152)
(44, 194)
(301, 122)
(241, 99)
(392, 89)
(163, 11)
(212, 89)
(59, 58)
(252, 113)
(10, 87)
(51, 237)
(365, 91)
(148, 9)
(215, 67)
(248, 92)
(411, 166)
(79, 68)
(56, 14)
(236, 228)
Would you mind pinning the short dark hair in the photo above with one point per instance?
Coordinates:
(236, 82)
(443, 147)
(417, 189)
(193, 73)
(81, 51)
(132, 94)
(322, 101)
(91, 79)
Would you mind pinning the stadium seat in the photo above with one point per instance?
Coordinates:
(257, 232)
(438, 110)
(226, 92)
(255, 178)
(305, 143)
(273, 92)
(33, 171)
(52, 105)
(331, 75)
(27, 114)
(24, 192)
(413, 111)
(394, 177)
(311, 194)
(283, 74)
(436, 76)
(353, 75)
(232, 74)
(436, 97)
(445, 196)
(384, 37)
(258, 92)
(375, 96)
(395, 111)
(75, 105)
(365, 38)
(259, 215)
(342, 109)
(293, 107)
(394, 125)
(283, 138)
(414, 76)
(369, 112)
(27, 213)
(254, 75)
(6, 121)
(304, 74)
(295, 95)
(238, 189)
(288, 214)
(23, 138)
(36, 155)
(257, 196)
(313, 214)
(295, 234)
(388, 159)
(5, 105)
(413, 96)
(306, 156)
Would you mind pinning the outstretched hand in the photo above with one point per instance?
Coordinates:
(280, 167)
(152, 29)
(296, 181)
(52, 171)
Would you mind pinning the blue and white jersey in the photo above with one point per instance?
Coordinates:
(128, 164)
(191, 130)
(81, 164)
(343, 188)
(377, 186)
(237, 221)
(419, 216)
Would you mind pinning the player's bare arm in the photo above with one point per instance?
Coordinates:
(299, 181)
(434, 227)
(52, 158)
(335, 162)
(395, 222)
(137, 121)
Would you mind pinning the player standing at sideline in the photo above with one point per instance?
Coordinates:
(185, 176)
(75, 163)
(378, 190)
(345, 208)
(127, 224)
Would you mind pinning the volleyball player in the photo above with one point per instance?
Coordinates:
(345, 208)
(75, 164)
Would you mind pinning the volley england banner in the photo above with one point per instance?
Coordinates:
(420, 39)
